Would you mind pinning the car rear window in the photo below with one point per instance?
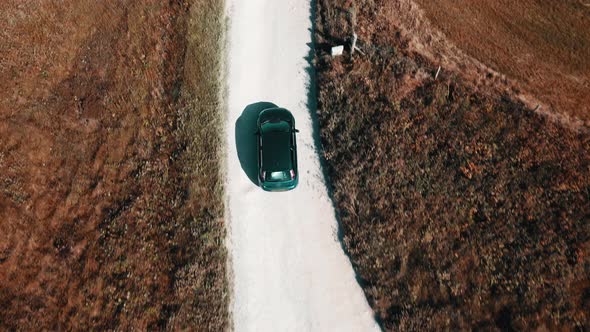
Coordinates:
(277, 176)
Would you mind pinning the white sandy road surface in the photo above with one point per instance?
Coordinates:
(289, 271)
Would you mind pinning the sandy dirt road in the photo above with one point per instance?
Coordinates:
(288, 268)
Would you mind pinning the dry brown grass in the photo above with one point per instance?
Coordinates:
(537, 50)
(543, 47)
(110, 197)
(460, 209)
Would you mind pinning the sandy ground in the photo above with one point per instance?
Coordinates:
(289, 270)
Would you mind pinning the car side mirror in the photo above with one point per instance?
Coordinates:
(296, 130)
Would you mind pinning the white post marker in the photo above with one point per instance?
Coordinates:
(337, 50)
(437, 72)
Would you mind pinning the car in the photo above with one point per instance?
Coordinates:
(277, 150)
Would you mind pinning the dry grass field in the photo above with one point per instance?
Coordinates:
(460, 207)
(111, 207)
(543, 45)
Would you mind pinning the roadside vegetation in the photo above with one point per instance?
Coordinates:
(111, 198)
(460, 208)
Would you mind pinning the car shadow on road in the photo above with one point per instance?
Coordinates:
(246, 138)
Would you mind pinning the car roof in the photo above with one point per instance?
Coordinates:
(276, 146)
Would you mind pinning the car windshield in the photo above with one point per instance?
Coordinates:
(276, 147)
(276, 126)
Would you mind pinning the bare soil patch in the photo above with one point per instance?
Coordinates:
(460, 207)
(105, 223)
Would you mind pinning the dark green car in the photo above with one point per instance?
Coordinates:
(277, 150)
